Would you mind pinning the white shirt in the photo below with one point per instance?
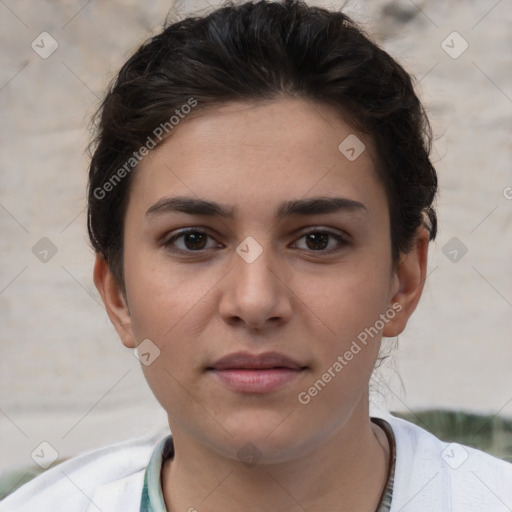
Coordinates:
(430, 476)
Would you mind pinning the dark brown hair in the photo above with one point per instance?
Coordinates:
(260, 51)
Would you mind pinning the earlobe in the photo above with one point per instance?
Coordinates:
(409, 280)
(114, 300)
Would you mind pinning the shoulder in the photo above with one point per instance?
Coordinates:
(104, 478)
(431, 474)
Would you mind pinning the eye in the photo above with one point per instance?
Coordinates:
(190, 240)
(195, 240)
(319, 240)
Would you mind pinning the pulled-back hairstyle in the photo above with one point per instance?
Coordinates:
(259, 51)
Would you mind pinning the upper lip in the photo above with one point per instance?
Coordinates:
(246, 360)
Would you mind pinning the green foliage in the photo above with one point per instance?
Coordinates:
(491, 434)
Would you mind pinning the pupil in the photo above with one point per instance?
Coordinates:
(316, 238)
(193, 240)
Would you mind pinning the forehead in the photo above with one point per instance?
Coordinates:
(257, 154)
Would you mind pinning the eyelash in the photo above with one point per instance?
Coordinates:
(339, 238)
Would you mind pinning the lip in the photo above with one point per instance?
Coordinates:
(248, 361)
(256, 373)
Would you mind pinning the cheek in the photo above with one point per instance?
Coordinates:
(159, 293)
(171, 305)
(347, 301)
(156, 308)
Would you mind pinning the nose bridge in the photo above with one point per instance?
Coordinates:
(255, 292)
(253, 262)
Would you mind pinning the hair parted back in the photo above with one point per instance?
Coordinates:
(255, 51)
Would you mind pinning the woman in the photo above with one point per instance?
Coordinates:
(261, 203)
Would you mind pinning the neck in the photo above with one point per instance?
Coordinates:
(346, 472)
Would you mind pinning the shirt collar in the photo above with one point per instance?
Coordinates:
(152, 499)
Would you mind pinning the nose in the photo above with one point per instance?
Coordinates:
(256, 292)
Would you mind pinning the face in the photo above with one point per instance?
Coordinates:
(256, 256)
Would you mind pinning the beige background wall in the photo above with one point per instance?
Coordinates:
(65, 378)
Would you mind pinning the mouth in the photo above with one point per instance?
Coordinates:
(256, 373)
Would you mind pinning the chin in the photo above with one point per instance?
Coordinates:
(268, 434)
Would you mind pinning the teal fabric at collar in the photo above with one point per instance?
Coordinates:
(153, 500)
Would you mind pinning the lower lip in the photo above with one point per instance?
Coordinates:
(257, 381)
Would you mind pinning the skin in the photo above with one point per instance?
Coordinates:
(294, 299)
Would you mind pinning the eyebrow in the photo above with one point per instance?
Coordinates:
(311, 206)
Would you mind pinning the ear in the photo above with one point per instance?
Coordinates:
(114, 300)
(408, 282)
